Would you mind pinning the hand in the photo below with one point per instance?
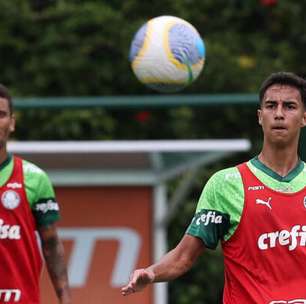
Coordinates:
(65, 301)
(65, 296)
(138, 281)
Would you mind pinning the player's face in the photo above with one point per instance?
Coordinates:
(282, 114)
(7, 122)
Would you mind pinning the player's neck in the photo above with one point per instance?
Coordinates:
(280, 161)
(3, 154)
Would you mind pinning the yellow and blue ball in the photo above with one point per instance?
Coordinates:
(167, 54)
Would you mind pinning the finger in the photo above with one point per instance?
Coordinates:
(136, 282)
(127, 290)
(136, 275)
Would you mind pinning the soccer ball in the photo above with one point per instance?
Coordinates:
(167, 54)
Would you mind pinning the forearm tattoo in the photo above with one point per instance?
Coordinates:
(54, 256)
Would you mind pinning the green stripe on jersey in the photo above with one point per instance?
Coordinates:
(224, 192)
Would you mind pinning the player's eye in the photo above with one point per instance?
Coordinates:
(290, 106)
(270, 105)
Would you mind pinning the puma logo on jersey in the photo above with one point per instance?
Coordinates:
(11, 232)
(266, 203)
(292, 239)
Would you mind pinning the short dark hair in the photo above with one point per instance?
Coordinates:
(284, 78)
(4, 93)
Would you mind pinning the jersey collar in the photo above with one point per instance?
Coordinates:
(290, 176)
(6, 162)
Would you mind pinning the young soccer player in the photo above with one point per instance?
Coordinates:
(256, 209)
(27, 205)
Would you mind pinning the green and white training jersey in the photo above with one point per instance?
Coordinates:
(222, 199)
(38, 188)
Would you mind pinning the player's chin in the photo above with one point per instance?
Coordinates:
(280, 141)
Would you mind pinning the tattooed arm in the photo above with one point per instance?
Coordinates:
(53, 252)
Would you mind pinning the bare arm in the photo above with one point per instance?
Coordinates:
(172, 265)
(53, 252)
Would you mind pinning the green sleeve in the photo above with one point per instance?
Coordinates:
(40, 194)
(219, 208)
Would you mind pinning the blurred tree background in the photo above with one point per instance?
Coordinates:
(80, 48)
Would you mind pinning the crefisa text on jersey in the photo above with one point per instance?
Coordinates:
(11, 232)
(209, 217)
(292, 239)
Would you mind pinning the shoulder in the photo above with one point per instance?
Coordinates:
(220, 188)
(36, 181)
(228, 176)
(32, 171)
(40, 194)
(30, 168)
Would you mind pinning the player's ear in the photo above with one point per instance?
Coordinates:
(304, 119)
(12, 123)
(259, 116)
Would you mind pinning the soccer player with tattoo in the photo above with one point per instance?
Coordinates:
(28, 209)
(256, 210)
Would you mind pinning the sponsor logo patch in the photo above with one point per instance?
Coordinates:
(256, 188)
(209, 217)
(10, 199)
(10, 295)
(265, 203)
(291, 239)
(297, 301)
(47, 206)
(230, 176)
(14, 185)
(11, 232)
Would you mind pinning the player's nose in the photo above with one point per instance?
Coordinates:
(279, 112)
